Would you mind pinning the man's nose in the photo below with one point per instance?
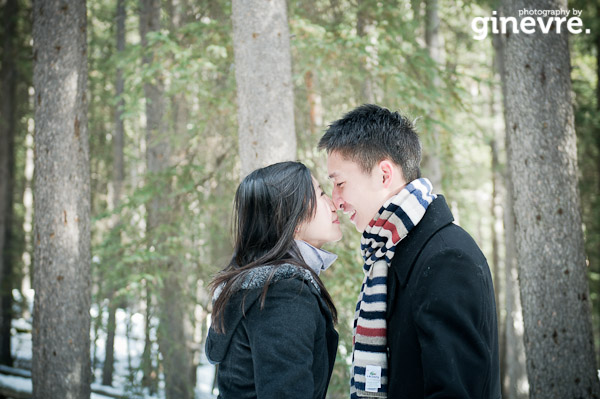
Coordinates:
(332, 206)
(336, 197)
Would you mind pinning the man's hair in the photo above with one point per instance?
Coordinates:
(369, 133)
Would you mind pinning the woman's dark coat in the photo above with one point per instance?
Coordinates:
(442, 328)
(285, 350)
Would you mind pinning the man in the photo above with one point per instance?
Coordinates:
(425, 323)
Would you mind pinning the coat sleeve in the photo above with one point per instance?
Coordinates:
(281, 338)
(455, 316)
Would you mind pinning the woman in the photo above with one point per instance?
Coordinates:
(272, 332)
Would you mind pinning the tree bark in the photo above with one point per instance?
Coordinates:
(514, 383)
(109, 354)
(315, 108)
(118, 181)
(156, 155)
(550, 247)
(598, 65)
(495, 202)
(431, 159)
(263, 72)
(61, 323)
(364, 23)
(171, 335)
(8, 88)
(149, 379)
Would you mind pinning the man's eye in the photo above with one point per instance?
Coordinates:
(339, 184)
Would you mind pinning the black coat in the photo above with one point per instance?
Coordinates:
(442, 328)
(285, 350)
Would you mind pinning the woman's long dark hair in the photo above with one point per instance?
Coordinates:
(269, 204)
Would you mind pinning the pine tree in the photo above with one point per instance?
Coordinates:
(61, 324)
(263, 74)
(550, 248)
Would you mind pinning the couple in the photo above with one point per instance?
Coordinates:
(425, 322)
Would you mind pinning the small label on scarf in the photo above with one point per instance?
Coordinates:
(372, 378)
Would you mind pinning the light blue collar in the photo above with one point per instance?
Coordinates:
(317, 259)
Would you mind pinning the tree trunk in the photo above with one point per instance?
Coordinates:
(514, 379)
(364, 24)
(156, 154)
(550, 247)
(263, 72)
(171, 335)
(495, 203)
(61, 323)
(8, 88)
(109, 354)
(118, 180)
(431, 159)
(598, 65)
(149, 379)
(119, 134)
(315, 108)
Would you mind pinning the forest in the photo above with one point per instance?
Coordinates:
(127, 125)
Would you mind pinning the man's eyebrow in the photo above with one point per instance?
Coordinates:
(333, 175)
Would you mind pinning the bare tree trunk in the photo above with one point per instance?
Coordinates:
(364, 24)
(433, 39)
(314, 102)
(149, 378)
(596, 264)
(497, 216)
(171, 335)
(495, 236)
(514, 379)
(118, 180)
(109, 355)
(263, 72)
(119, 134)
(598, 68)
(8, 88)
(516, 383)
(156, 152)
(61, 323)
(550, 246)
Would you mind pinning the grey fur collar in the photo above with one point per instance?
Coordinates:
(257, 278)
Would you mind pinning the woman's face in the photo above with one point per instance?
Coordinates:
(325, 225)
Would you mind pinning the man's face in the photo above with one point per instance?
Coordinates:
(358, 194)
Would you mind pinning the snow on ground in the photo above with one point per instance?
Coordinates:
(126, 350)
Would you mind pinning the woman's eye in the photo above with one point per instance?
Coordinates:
(339, 184)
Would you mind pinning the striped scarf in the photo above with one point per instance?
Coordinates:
(391, 224)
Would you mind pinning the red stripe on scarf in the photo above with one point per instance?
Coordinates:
(386, 225)
(371, 332)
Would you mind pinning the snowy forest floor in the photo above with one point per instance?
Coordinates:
(128, 352)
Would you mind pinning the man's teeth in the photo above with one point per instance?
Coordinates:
(350, 213)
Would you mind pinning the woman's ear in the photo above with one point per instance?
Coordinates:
(297, 235)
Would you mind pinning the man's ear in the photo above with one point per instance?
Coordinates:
(386, 170)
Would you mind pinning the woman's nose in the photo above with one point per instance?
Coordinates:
(331, 204)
